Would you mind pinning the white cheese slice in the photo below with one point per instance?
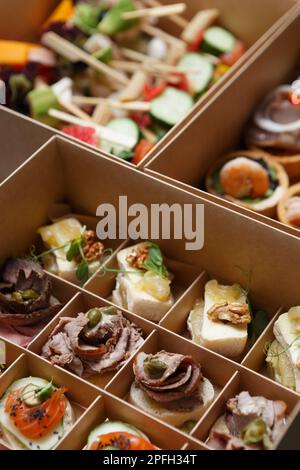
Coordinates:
(224, 338)
(128, 294)
(283, 331)
(15, 437)
(59, 234)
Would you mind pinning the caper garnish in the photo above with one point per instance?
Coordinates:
(109, 310)
(94, 316)
(254, 432)
(17, 296)
(154, 367)
(30, 294)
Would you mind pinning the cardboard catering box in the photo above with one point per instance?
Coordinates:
(63, 172)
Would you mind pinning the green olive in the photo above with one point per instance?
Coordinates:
(109, 310)
(154, 367)
(30, 294)
(254, 432)
(17, 296)
(94, 316)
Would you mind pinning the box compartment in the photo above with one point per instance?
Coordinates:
(81, 395)
(81, 303)
(20, 138)
(256, 386)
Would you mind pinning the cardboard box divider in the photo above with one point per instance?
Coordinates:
(256, 385)
(254, 22)
(219, 126)
(110, 407)
(20, 137)
(256, 357)
(65, 172)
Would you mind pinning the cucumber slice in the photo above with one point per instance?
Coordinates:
(113, 426)
(113, 23)
(104, 55)
(123, 126)
(199, 81)
(30, 395)
(171, 106)
(218, 41)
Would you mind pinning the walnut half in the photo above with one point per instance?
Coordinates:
(235, 312)
(138, 257)
(93, 248)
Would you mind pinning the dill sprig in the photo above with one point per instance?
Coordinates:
(269, 353)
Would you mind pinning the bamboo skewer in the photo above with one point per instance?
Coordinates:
(159, 33)
(156, 12)
(130, 105)
(135, 88)
(154, 68)
(201, 21)
(104, 132)
(137, 56)
(74, 53)
(102, 114)
(72, 108)
(177, 19)
(126, 66)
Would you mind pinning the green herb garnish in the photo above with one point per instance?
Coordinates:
(155, 261)
(268, 351)
(73, 250)
(45, 392)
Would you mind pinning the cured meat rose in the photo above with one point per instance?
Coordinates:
(171, 379)
(88, 347)
(25, 294)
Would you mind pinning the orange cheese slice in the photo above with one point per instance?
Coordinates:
(62, 12)
(15, 52)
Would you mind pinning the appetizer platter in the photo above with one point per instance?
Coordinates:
(114, 342)
(120, 75)
(116, 375)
